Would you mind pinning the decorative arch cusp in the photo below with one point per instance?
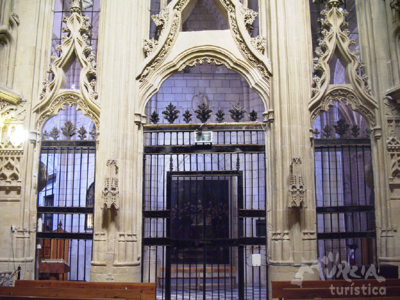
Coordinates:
(66, 98)
(347, 95)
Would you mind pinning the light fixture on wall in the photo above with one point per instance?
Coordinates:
(14, 133)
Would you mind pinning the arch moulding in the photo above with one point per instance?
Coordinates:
(175, 50)
(192, 57)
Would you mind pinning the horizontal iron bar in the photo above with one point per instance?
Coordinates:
(49, 143)
(342, 142)
(156, 214)
(258, 126)
(203, 148)
(66, 210)
(345, 209)
(204, 243)
(252, 213)
(156, 241)
(205, 173)
(345, 235)
(248, 241)
(64, 235)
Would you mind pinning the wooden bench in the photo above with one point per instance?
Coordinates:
(197, 273)
(80, 293)
(337, 289)
(85, 290)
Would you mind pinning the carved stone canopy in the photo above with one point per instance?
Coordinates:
(235, 48)
(336, 41)
(75, 45)
(297, 189)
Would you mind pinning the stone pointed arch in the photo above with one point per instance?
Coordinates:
(200, 55)
(337, 41)
(234, 48)
(73, 46)
(343, 93)
(66, 98)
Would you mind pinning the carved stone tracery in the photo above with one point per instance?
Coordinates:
(66, 98)
(170, 20)
(74, 46)
(10, 170)
(334, 38)
(347, 95)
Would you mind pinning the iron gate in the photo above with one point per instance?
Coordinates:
(345, 202)
(204, 233)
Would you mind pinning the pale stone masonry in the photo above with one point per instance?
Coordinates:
(272, 74)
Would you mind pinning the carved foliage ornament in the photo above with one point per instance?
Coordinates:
(297, 191)
(334, 39)
(110, 193)
(74, 43)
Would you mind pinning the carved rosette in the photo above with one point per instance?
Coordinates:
(297, 191)
(110, 193)
(74, 44)
(334, 38)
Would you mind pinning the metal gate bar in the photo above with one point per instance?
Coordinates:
(173, 150)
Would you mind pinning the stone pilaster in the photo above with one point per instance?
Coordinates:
(292, 237)
(118, 189)
(379, 50)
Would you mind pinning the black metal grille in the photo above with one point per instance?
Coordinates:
(65, 209)
(345, 202)
(204, 213)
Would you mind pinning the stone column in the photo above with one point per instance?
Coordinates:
(118, 214)
(291, 230)
(378, 24)
(28, 68)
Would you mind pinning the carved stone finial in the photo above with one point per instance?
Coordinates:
(297, 191)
